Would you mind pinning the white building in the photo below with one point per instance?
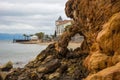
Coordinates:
(34, 38)
(61, 25)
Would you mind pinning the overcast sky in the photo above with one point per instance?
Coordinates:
(30, 16)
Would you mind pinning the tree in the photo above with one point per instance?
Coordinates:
(25, 36)
(67, 27)
(40, 35)
(31, 35)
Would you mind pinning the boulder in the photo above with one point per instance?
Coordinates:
(116, 58)
(14, 73)
(96, 62)
(110, 73)
(54, 75)
(7, 67)
(109, 38)
(30, 75)
(49, 66)
(1, 77)
(98, 21)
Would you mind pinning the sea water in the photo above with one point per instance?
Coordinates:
(18, 54)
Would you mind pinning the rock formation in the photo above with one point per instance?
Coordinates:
(6, 67)
(99, 22)
(98, 57)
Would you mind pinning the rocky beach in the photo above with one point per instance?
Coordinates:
(97, 57)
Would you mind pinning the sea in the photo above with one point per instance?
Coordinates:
(18, 54)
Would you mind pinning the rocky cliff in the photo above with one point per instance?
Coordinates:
(99, 23)
(98, 57)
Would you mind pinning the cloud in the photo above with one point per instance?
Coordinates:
(29, 9)
(30, 16)
(19, 26)
(22, 28)
(16, 28)
(37, 1)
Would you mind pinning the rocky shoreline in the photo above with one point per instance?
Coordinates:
(48, 65)
(5, 69)
(97, 58)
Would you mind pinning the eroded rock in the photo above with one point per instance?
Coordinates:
(7, 67)
(98, 21)
(49, 66)
(110, 73)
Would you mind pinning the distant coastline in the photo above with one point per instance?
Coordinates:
(6, 36)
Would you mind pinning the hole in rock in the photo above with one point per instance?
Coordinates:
(75, 41)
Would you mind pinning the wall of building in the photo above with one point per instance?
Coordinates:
(61, 28)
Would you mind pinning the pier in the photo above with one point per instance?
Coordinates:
(19, 40)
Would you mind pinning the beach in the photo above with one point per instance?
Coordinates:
(72, 45)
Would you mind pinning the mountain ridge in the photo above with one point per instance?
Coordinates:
(6, 36)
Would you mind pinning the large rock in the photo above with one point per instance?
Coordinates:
(109, 37)
(7, 67)
(14, 74)
(96, 62)
(98, 21)
(30, 75)
(1, 77)
(110, 73)
(49, 66)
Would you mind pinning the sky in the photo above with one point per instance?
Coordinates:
(30, 16)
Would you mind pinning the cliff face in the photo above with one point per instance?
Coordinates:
(99, 23)
(98, 57)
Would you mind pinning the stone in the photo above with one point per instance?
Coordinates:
(98, 57)
(49, 66)
(110, 73)
(7, 67)
(108, 38)
(14, 74)
(116, 58)
(1, 77)
(54, 75)
(30, 75)
(96, 61)
(47, 59)
(62, 68)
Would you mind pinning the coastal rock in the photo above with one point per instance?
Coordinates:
(116, 58)
(7, 67)
(29, 75)
(14, 74)
(1, 77)
(110, 73)
(100, 27)
(54, 75)
(96, 62)
(98, 57)
(108, 38)
(49, 66)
